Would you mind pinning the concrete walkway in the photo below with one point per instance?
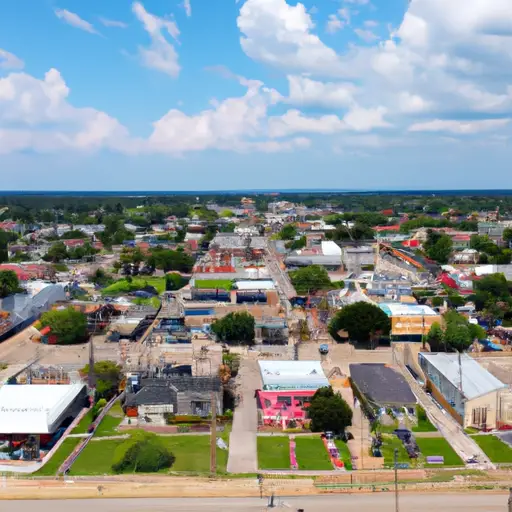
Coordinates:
(243, 456)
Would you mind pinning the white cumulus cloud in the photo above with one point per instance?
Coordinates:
(161, 54)
(10, 61)
(459, 127)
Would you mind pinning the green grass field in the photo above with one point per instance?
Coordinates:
(207, 284)
(108, 426)
(424, 424)
(192, 455)
(123, 286)
(494, 448)
(273, 452)
(439, 446)
(344, 453)
(390, 442)
(84, 423)
(311, 454)
(64, 450)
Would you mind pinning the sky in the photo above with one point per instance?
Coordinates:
(255, 94)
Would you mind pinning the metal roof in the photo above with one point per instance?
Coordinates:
(292, 375)
(395, 309)
(476, 380)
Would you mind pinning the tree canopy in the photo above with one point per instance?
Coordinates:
(142, 452)
(438, 246)
(310, 279)
(329, 412)
(235, 328)
(167, 260)
(69, 325)
(288, 232)
(361, 321)
(9, 283)
(107, 375)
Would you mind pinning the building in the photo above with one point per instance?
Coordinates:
(470, 393)
(287, 387)
(34, 416)
(409, 322)
(151, 399)
(378, 386)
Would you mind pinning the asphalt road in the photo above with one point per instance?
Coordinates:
(464, 502)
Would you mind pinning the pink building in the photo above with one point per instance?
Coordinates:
(287, 389)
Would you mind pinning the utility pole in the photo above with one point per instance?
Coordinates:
(396, 480)
(213, 435)
(510, 500)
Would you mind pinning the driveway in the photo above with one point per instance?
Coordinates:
(243, 455)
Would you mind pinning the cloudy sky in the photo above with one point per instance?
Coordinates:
(267, 94)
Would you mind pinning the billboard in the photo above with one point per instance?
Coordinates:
(413, 325)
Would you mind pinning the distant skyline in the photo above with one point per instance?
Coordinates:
(361, 95)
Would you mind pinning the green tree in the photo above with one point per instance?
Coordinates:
(9, 283)
(142, 452)
(174, 281)
(69, 325)
(227, 214)
(329, 412)
(235, 328)
(438, 246)
(107, 375)
(507, 235)
(57, 252)
(293, 245)
(288, 232)
(74, 234)
(310, 279)
(361, 320)
(101, 278)
(167, 260)
(435, 338)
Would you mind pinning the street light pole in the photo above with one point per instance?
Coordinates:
(396, 480)
(510, 500)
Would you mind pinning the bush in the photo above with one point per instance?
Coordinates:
(143, 452)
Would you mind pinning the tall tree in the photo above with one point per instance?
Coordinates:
(235, 328)
(69, 325)
(329, 412)
(361, 320)
(310, 279)
(9, 283)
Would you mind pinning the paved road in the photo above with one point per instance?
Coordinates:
(466, 502)
(243, 457)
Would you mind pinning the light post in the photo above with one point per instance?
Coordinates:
(396, 479)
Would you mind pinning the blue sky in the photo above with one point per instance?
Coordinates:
(202, 94)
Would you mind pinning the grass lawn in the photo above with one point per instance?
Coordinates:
(192, 455)
(439, 446)
(123, 286)
(273, 452)
(64, 450)
(84, 423)
(311, 454)
(207, 284)
(494, 448)
(108, 426)
(424, 424)
(390, 442)
(344, 453)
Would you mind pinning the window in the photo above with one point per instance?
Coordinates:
(301, 400)
(284, 399)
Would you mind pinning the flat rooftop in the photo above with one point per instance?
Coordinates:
(33, 408)
(381, 385)
(304, 375)
(396, 309)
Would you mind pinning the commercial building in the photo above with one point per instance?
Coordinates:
(378, 386)
(33, 416)
(409, 322)
(470, 393)
(287, 387)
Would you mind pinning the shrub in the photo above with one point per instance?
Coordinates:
(143, 452)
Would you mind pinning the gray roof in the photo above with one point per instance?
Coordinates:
(314, 259)
(476, 380)
(234, 241)
(381, 384)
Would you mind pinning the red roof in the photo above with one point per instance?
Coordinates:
(387, 212)
(22, 274)
(461, 238)
(379, 229)
(411, 243)
(75, 242)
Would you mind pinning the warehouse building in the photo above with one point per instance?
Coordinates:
(471, 394)
(409, 322)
